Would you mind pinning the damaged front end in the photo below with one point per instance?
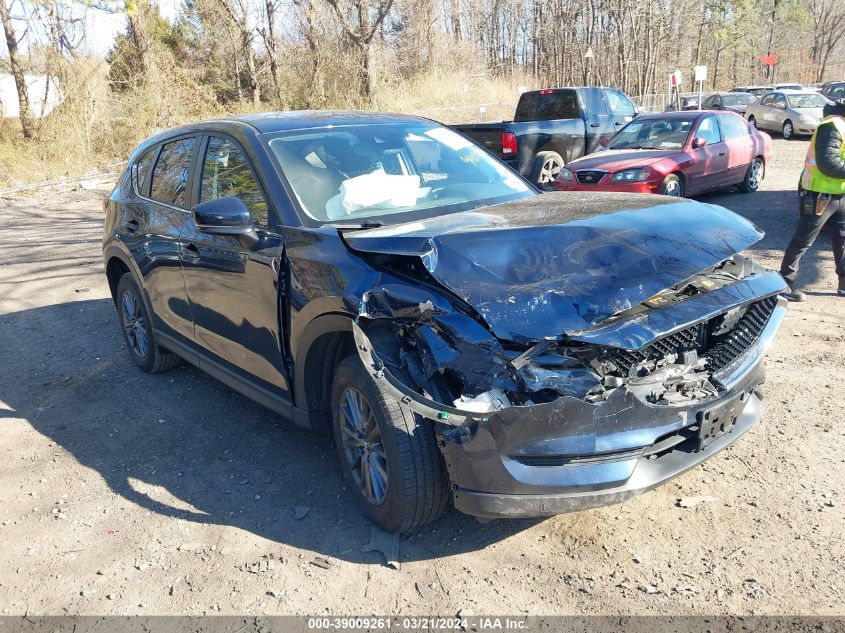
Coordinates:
(587, 418)
(571, 352)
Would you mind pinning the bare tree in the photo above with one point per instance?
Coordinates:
(238, 13)
(828, 31)
(17, 69)
(271, 44)
(141, 15)
(361, 27)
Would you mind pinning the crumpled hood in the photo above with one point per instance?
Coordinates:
(561, 262)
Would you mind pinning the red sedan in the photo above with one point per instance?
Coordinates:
(675, 154)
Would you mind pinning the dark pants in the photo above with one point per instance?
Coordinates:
(809, 227)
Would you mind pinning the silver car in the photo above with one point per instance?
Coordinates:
(790, 112)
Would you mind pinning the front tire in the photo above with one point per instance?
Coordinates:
(388, 454)
(673, 186)
(137, 327)
(547, 166)
(788, 131)
(753, 176)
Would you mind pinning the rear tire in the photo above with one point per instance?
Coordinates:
(753, 176)
(788, 131)
(387, 438)
(547, 166)
(673, 185)
(137, 327)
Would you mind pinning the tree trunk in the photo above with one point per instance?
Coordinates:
(139, 15)
(17, 70)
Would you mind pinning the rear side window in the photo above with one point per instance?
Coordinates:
(734, 127)
(140, 169)
(619, 104)
(226, 172)
(536, 106)
(170, 175)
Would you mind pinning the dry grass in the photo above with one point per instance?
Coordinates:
(95, 127)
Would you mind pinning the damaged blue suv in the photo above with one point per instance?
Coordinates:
(463, 335)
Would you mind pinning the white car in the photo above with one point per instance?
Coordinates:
(790, 112)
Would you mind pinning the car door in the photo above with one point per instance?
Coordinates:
(165, 192)
(740, 144)
(779, 111)
(597, 118)
(233, 282)
(622, 109)
(709, 162)
(763, 111)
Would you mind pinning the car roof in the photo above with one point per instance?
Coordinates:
(683, 114)
(266, 122)
(304, 119)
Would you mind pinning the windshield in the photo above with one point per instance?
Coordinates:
(388, 172)
(807, 100)
(652, 134)
(738, 98)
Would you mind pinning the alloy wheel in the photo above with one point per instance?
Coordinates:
(362, 446)
(551, 168)
(756, 175)
(672, 188)
(787, 130)
(134, 324)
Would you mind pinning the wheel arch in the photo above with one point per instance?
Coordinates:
(557, 147)
(326, 342)
(117, 264)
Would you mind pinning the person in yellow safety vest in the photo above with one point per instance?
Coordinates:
(821, 198)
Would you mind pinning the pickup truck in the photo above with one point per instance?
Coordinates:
(552, 127)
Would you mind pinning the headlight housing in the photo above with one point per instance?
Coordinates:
(565, 175)
(631, 175)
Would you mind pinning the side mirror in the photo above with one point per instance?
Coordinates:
(223, 216)
(699, 141)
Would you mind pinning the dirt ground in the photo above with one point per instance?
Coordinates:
(122, 493)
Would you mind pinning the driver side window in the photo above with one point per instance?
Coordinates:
(226, 172)
(708, 129)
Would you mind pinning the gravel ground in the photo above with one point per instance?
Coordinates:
(122, 493)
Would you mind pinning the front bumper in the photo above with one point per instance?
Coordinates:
(591, 485)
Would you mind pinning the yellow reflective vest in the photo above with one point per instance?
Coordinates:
(812, 179)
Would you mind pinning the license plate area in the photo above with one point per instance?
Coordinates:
(718, 420)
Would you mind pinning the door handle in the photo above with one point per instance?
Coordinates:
(618, 123)
(132, 227)
(594, 124)
(192, 248)
(722, 153)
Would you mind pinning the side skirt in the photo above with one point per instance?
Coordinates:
(231, 379)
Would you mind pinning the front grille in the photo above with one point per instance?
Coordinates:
(726, 348)
(719, 350)
(589, 176)
(691, 338)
